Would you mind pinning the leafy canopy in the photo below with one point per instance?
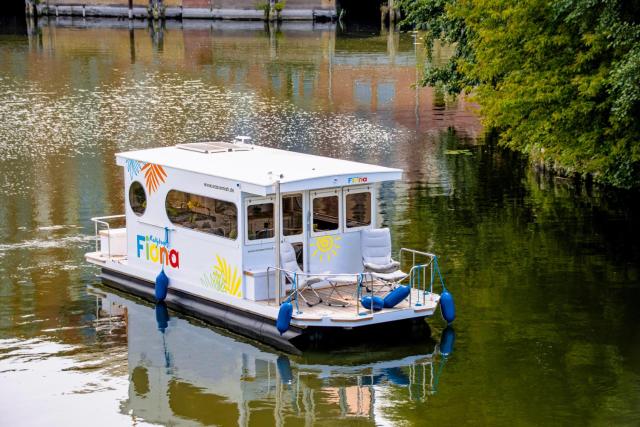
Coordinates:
(559, 80)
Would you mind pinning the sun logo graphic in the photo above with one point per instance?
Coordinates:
(325, 246)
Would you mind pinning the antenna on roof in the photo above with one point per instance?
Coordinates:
(242, 139)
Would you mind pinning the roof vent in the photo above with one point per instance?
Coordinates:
(240, 139)
(212, 147)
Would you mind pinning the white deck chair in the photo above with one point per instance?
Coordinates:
(289, 263)
(376, 255)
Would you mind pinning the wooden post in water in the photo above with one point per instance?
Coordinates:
(272, 10)
(132, 42)
(273, 42)
(394, 13)
(29, 8)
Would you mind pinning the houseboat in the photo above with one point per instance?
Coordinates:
(272, 244)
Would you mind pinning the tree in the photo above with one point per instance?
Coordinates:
(557, 80)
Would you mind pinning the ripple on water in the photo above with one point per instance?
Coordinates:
(166, 109)
(73, 376)
(34, 244)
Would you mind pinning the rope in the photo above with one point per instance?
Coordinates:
(444, 288)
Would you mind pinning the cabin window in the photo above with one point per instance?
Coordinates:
(137, 198)
(358, 209)
(260, 220)
(326, 213)
(292, 214)
(203, 214)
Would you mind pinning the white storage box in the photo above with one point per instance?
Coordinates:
(255, 285)
(113, 242)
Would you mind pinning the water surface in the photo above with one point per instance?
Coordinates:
(544, 270)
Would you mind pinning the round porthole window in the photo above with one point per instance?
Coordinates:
(137, 198)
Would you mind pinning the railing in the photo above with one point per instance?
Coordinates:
(359, 279)
(420, 269)
(415, 279)
(101, 221)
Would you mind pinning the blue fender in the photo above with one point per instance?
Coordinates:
(447, 339)
(162, 316)
(284, 369)
(372, 379)
(396, 296)
(162, 285)
(397, 376)
(378, 303)
(447, 307)
(284, 317)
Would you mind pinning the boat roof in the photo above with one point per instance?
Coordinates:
(255, 168)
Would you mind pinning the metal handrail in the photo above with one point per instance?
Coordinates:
(153, 224)
(415, 272)
(418, 267)
(100, 220)
(412, 274)
(414, 252)
(359, 279)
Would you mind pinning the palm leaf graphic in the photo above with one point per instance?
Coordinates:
(133, 167)
(154, 175)
(235, 283)
(212, 280)
(224, 278)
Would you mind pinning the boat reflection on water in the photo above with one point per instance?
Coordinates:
(182, 372)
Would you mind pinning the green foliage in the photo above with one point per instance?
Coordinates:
(265, 7)
(559, 81)
(279, 6)
(156, 9)
(431, 18)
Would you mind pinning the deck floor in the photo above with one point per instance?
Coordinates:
(103, 258)
(340, 303)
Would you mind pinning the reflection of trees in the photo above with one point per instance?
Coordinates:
(543, 272)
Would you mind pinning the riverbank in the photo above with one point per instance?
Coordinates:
(294, 10)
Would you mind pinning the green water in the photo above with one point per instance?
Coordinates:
(545, 272)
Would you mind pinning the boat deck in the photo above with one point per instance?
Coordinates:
(339, 304)
(100, 258)
(324, 304)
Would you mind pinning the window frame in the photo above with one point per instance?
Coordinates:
(300, 236)
(146, 198)
(320, 194)
(356, 190)
(198, 232)
(251, 201)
